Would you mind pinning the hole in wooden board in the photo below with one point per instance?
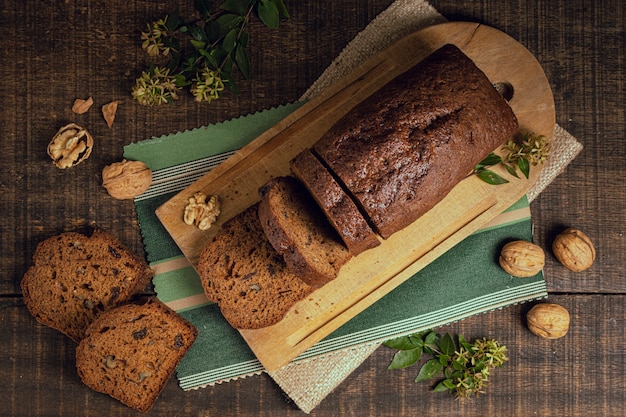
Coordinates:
(505, 89)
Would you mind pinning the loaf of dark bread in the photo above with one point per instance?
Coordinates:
(131, 352)
(241, 271)
(337, 205)
(75, 278)
(298, 230)
(402, 150)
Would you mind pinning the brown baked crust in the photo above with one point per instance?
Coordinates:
(250, 282)
(336, 204)
(75, 278)
(131, 352)
(403, 149)
(298, 230)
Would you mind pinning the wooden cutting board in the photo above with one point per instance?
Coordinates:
(369, 276)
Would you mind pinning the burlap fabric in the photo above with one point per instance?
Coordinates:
(308, 383)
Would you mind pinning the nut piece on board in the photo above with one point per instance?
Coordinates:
(70, 146)
(547, 320)
(574, 249)
(126, 179)
(202, 211)
(522, 259)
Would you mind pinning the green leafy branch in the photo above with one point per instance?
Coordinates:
(463, 369)
(521, 154)
(213, 46)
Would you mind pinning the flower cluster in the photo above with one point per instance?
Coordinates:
(534, 148)
(153, 39)
(215, 45)
(465, 367)
(207, 85)
(155, 86)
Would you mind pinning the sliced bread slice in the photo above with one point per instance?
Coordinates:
(131, 352)
(75, 278)
(250, 282)
(337, 205)
(298, 230)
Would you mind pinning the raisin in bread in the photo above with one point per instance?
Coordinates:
(250, 282)
(337, 205)
(75, 278)
(403, 149)
(299, 231)
(131, 352)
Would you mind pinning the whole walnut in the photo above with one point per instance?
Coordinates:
(522, 259)
(547, 320)
(126, 179)
(574, 250)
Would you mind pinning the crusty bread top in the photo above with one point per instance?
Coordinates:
(337, 205)
(402, 150)
(298, 230)
(75, 278)
(241, 272)
(131, 352)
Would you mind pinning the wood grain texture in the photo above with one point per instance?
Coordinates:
(55, 51)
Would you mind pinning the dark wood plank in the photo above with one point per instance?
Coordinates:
(54, 52)
(578, 375)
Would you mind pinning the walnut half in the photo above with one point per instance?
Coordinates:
(202, 211)
(70, 146)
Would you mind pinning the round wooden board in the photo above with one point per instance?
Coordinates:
(371, 275)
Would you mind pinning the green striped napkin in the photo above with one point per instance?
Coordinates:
(465, 281)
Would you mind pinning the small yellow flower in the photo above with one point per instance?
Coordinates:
(155, 87)
(207, 85)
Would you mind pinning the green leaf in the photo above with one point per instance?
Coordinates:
(282, 10)
(230, 40)
(197, 33)
(268, 13)
(491, 177)
(172, 21)
(405, 358)
(442, 387)
(429, 370)
(243, 63)
(239, 7)
(203, 7)
(447, 344)
(511, 170)
(227, 22)
(198, 45)
(400, 343)
(524, 166)
(490, 160)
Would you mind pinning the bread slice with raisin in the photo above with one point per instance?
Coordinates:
(250, 282)
(75, 278)
(298, 229)
(131, 352)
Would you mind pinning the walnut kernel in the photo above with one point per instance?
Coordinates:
(202, 211)
(574, 249)
(522, 259)
(126, 179)
(547, 320)
(70, 146)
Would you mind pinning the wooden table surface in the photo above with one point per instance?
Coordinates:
(55, 51)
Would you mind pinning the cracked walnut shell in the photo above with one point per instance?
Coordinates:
(574, 250)
(70, 146)
(522, 259)
(126, 179)
(547, 320)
